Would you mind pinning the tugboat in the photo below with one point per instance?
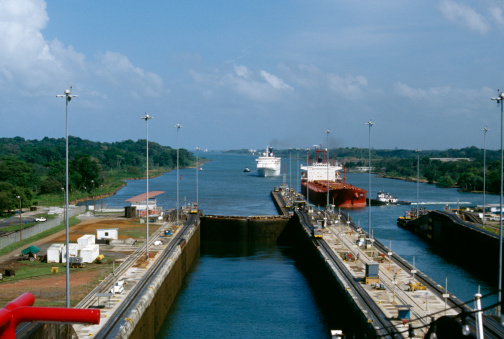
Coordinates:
(383, 198)
(246, 169)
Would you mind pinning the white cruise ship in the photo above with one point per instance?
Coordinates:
(268, 165)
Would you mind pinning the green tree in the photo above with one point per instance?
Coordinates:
(85, 169)
(51, 185)
(17, 172)
(446, 181)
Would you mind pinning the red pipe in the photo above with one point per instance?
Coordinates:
(20, 310)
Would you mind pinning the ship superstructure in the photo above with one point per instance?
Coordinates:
(322, 177)
(268, 165)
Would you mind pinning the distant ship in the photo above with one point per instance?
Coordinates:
(268, 165)
(321, 177)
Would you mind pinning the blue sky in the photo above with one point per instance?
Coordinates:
(246, 74)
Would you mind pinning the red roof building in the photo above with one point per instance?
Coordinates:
(143, 196)
(140, 203)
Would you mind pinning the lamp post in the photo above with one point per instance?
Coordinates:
(20, 221)
(67, 97)
(101, 198)
(297, 170)
(485, 130)
(197, 169)
(147, 118)
(370, 124)
(418, 182)
(500, 100)
(177, 126)
(327, 167)
(290, 169)
(94, 205)
(307, 164)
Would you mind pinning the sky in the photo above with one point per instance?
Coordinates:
(252, 73)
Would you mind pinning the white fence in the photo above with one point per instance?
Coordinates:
(38, 228)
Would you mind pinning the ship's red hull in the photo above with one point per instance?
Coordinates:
(340, 194)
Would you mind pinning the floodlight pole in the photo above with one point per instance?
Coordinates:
(500, 99)
(67, 97)
(147, 118)
(297, 171)
(94, 204)
(197, 169)
(327, 167)
(370, 124)
(290, 169)
(485, 130)
(177, 126)
(307, 164)
(418, 183)
(20, 221)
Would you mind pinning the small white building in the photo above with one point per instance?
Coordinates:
(107, 234)
(74, 250)
(89, 253)
(54, 253)
(85, 240)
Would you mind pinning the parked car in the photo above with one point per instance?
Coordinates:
(40, 219)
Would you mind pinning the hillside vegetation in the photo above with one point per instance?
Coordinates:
(35, 169)
(402, 164)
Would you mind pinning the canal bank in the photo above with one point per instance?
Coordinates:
(463, 242)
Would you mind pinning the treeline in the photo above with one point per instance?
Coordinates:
(32, 167)
(465, 174)
(402, 164)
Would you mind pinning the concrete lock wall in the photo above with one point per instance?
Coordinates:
(242, 229)
(464, 244)
(216, 228)
(324, 281)
(155, 314)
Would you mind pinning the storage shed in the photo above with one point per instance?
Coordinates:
(74, 250)
(85, 240)
(54, 253)
(107, 234)
(90, 253)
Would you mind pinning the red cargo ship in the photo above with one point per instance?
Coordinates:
(322, 176)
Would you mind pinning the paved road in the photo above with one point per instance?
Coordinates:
(15, 221)
(26, 217)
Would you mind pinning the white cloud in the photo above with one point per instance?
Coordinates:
(315, 80)
(348, 85)
(241, 71)
(450, 100)
(118, 70)
(274, 81)
(465, 15)
(418, 93)
(30, 63)
(258, 85)
(497, 14)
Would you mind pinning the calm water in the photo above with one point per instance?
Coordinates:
(261, 290)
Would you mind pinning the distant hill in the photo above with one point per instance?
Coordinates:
(33, 167)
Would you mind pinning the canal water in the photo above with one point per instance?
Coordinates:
(263, 290)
